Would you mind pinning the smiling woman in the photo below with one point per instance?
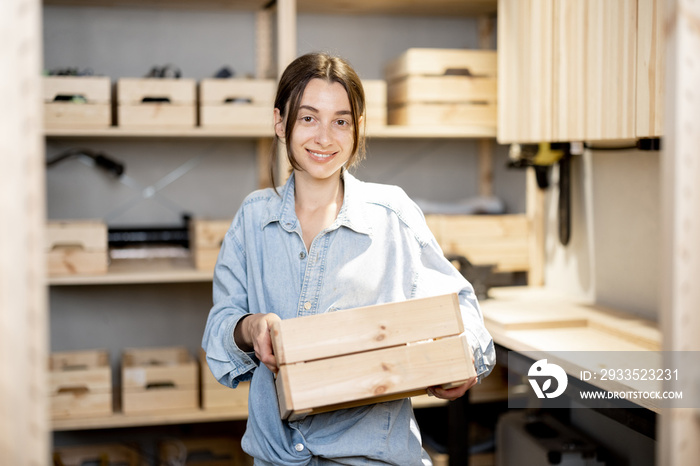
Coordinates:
(323, 242)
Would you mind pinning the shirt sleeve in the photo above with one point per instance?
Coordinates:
(227, 362)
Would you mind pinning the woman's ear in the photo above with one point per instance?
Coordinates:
(279, 124)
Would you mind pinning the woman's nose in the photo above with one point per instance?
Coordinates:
(323, 134)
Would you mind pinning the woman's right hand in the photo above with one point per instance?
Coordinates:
(253, 333)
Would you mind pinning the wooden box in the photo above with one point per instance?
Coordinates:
(102, 455)
(156, 102)
(206, 237)
(439, 87)
(236, 102)
(80, 383)
(77, 102)
(375, 100)
(499, 240)
(203, 451)
(159, 379)
(216, 396)
(369, 355)
(76, 247)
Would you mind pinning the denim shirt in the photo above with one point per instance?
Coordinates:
(378, 250)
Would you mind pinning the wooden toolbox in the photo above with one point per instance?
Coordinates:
(156, 102)
(369, 355)
(77, 102)
(80, 384)
(236, 102)
(375, 100)
(76, 247)
(159, 379)
(216, 396)
(499, 240)
(102, 455)
(442, 87)
(206, 237)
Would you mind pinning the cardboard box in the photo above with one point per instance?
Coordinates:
(236, 103)
(216, 396)
(438, 87)
(76, 247)
(80, 384)
(77, 102)
(156, 103)
(206, 237)
(369, 355)
(159, 379)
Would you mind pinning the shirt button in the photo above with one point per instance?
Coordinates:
(307, 306)
(302, 255)
(298, 447)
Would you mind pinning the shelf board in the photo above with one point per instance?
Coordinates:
(361, 7)
(134, 271)
(117, 420)
(378, 132)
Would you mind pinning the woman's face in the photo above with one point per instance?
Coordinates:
(322, 140)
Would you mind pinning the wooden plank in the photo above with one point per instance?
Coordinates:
(438, 62)
(24, 424)
(445, 89)
(154, 115)
(179, 91)
(90, 235)
(366, 328)
(372, 376)
(455, 114)
(535, 212)
(650, 68)
(94, 89)
(254, 91)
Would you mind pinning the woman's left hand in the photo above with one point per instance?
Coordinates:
(452, 393)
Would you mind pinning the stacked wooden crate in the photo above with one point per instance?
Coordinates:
(77, 102)
(206, 237)
(369, 355)
(76, 247)
(80, 383)
(375, 101)
(156, 103)
(216, 396)
(442, 87)
(236, 102)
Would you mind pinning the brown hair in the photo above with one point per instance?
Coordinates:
(291, 89)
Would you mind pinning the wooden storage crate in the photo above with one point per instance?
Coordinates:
(216, 396)
(159, 379)
(102, 455)
(442, 87)
(204, 451)
(369, 355)
(76, 247)
(80, 384)
(375, 100)
(500, 240)
(206, 237)
(236, 102)
(77, 102)
(156, 102)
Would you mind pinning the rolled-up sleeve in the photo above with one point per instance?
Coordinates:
(227, 362)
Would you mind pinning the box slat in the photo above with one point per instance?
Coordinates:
(366, 328)
(375, 92)
(444, 89)
(160, 115)
(90, 235)
(76, 115)
(388, 373)
(445, 114)
(436, 62)
(236, 115)
(94, 89)
(133, 91)
(259, 92)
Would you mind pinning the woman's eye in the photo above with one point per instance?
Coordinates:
(343, 123)
(307, 119)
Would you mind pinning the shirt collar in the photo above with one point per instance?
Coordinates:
(281, 208)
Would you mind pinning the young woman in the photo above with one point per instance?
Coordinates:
(325, 241)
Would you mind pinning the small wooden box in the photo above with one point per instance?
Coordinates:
(442, 87)
(375, 100)
(103, 455)
(159, 379)
(216, 396)
(80, 384)
(206, 237)
(156, 102)
(77, 102)
(369, 355)
(500, 240)
(236, 102)
(211, 451)
(76, 247)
